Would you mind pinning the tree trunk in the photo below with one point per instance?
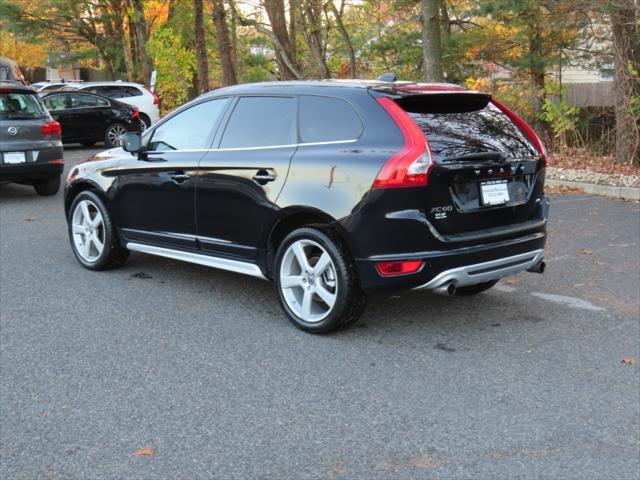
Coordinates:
(201, 48)
(626, 55)
(431, 45)
(538, 81)
(293, 28)
(225, 50)
(313, 34)
(345, 38)
(285, 54)
(139, 25)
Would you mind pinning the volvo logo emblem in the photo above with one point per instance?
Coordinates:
(13, 131)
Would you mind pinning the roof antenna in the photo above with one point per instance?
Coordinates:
(388, 77)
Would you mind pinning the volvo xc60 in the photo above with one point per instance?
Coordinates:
(332, 189)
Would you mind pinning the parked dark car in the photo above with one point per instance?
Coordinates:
(331, 189)
(10, 71)
(30, 146)
(88, 118)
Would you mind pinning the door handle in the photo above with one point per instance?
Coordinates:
(262, 177)
(180, 178)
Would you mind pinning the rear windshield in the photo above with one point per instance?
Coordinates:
(462, 135)
(20, 106)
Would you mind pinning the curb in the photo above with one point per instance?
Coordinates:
(627, 193)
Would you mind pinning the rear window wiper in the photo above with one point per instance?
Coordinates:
(470, 157)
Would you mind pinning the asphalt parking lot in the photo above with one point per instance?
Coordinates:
(169, 370)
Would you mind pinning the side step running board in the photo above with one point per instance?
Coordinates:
(206, 260)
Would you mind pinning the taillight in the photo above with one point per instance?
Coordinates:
(388, 269)
(136, 112)
(410, 166)
(155, 97)
(51, 128)
(524, 127)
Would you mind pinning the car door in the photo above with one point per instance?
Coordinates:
(88, 116)
(239, 181)
(58, 106)
(154, 196)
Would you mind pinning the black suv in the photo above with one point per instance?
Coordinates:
(333, 189)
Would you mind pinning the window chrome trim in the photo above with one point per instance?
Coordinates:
(269, 147)
(236, 266)
(185, 236)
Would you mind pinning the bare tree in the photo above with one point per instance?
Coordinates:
(284, 43)
(431, 44)
(201, 47)
(311, 20)
(225, 49)
(283, 40)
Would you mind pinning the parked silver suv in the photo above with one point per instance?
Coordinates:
(30, 140)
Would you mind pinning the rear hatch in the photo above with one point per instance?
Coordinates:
(22, 117)
(487, 173)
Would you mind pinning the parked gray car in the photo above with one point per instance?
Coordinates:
(30, 140)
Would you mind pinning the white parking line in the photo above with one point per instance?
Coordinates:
(572, 302)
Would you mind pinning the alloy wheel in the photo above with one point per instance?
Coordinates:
(88, 231)
(115, 134)
(308, 280)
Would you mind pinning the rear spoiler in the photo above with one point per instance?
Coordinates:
(443, 101)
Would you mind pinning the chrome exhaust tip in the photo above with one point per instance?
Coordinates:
(538, 267)
(448, 289)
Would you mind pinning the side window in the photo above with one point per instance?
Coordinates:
(190, 129)
(100, 90)
(79, 100)
(261, 122)
(129, 92)
(55, 102)
(325, 119)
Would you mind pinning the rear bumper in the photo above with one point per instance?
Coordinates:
(465, 266)
(485, 271)
(29, 171)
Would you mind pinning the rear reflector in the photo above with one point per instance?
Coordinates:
(57, 162)
(51, 128)
(410, 166)
(524, 127)
(388, 269)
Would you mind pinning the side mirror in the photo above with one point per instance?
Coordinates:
(131, 142)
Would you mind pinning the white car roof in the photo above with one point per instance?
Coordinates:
(126, 84)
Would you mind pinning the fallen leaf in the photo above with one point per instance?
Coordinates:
(628, 361)
(141, 275)
(424, 461)
(144, 452)
(585, 251)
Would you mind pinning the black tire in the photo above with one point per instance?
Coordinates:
(113, 254)
(110, 139)
(47, 187)
(87, 144)
(145, 122)
(475, 289)
(350, 299)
